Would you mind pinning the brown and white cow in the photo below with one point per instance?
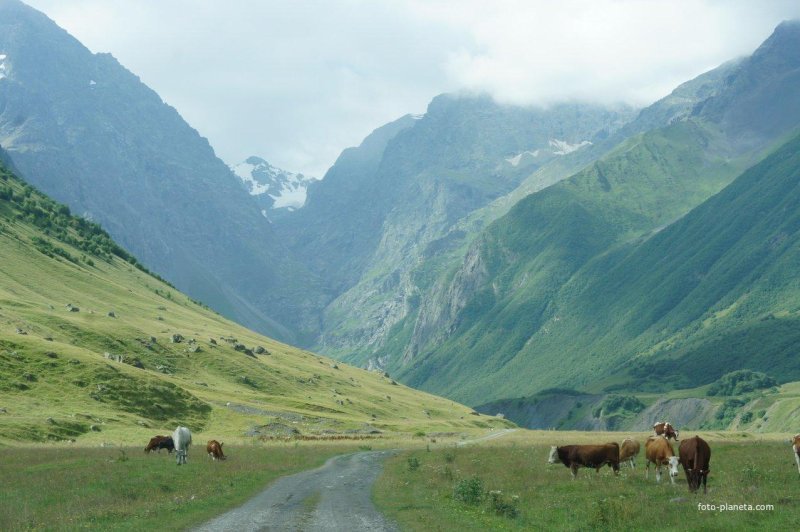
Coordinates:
(695, 455)
(160, 442)
(628, 451)
(658, 451)
(664, 428)
(796, 449)
(596, 456)
(214, 450)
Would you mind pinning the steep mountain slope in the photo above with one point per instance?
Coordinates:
(94, 348)
(721, 285)
(484, 329)
(88, 132)
(389, 204)
(275, 190)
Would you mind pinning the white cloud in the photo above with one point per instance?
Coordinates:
(296, 82)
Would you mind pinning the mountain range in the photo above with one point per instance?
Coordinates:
(487, 252)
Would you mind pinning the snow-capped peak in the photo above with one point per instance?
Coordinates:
(277, 188)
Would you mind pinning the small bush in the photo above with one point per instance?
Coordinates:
(450, 456)
(469, 491)
(501, 506)
(413, 463)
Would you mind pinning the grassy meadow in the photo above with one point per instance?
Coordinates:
(69, 488)
(450, 487)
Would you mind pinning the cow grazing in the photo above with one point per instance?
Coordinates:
(658, 450)
(596, 456)
(695, 455)
(160, 442)
(182, 438)
(796, 450)
(628, 451)
(214, 450)
(664, 428)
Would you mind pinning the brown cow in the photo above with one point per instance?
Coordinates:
(796, 449)
(628, 451)
(658, 450)
(664, 428)
(214, 450)
(695, 455)
(160, 442)
(596, 456)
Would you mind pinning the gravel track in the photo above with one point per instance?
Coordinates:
(334, 497)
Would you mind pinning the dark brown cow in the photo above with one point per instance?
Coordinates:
(596, 456)
(214, 450)
(664, 428)
(695, 455)
(628, 451)
(160, 442)
(658, 450)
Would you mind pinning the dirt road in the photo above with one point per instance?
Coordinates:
(335, 496)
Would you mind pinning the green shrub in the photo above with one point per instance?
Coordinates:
(741, 382)
(469, 491)
(413, 463)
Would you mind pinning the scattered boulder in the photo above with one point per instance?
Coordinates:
(111, 314)
(335, 366)
(259, 350)
(72, 308)
(3, 411)
(22, 332)
(212, 341)
(177, 338)
(30, 377)
(50, 354)
(94, 428)
(153, 340)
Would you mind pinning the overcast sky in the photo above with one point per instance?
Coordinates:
(297, 81)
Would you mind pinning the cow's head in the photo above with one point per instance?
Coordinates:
(673, 468)
(553, 458)
(670, 432)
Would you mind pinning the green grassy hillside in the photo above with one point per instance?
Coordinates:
(95, 349)
(714, 292)
(523, 261)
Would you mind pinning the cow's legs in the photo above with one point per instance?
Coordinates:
(574, 470)
(658, 473)
(796, 457)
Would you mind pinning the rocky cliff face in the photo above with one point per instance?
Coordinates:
(391, 212)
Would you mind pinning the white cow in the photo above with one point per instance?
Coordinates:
(182, 438)
(796, 449)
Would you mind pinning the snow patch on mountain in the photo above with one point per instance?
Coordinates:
(3, 66)
(562, 147)
(515, 160)
(284, 189)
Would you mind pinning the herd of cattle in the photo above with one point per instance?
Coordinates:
(694, 455)
(179, 442)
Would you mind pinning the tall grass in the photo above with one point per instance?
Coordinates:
(522, 492)
(123, 489)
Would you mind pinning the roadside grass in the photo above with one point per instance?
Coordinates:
(121, 488)
(440, 494)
